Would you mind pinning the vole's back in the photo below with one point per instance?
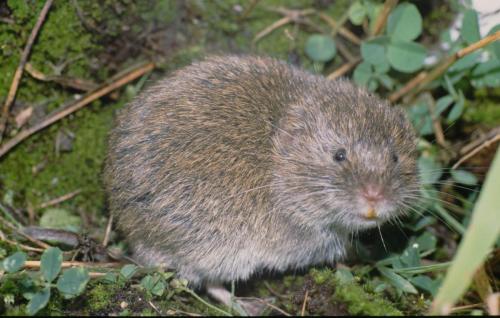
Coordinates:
(225, 167)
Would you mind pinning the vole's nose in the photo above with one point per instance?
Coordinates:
(372, 193)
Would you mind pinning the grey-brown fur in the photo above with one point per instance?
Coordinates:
(226, 167)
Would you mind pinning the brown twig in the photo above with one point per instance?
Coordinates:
(343, 31)
(290, 16)
(29, 238)
(304, 303)
(108, 231)
(22, 246)
(248, 10)
(423, 78)
(76, 83)
(383, 15)
(343, 69)
(19, 71)
(80, 103)
(36, 264)
(436, 122)
(472, 153)
(59, 199)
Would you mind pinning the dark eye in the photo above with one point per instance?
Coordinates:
(395, 158)
(340, 155)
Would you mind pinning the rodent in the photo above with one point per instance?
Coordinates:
(237, 164)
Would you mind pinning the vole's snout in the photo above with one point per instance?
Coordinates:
(372, 193)
(373, 197)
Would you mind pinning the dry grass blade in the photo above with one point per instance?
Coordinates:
(80, 103)
(423, 78)
(19, 71)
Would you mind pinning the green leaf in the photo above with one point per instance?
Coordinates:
(410, 256)
(38, 301)
(320, 48)
(128, 271)
(372, 85)
(397, 281)
(386, 80)
(406, 57)
(374, 51)
(426, 242)
(476, 244)
(425, 283)
(357, 13)
(51, 263)
(60, 219)
(465, 62)
(362, 74)
(495, 46)
(442, 104)
(449, 87)
(430, 170)
(72, 282)
(470, 27)
(14, 262)
(404, 23)
(110, 278)
(464, 177)
(457, 109)
(344, 276)
(420, 118)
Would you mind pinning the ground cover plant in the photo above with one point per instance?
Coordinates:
(69, 65)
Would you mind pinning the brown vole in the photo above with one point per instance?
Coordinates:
(237, 164)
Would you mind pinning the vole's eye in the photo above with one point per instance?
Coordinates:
(340, 155)
(395, 158)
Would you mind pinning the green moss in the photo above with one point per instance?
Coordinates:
(99, 298)
(359, 302)
(321, 276)
(484, 108)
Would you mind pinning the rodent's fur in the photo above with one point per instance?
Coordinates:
(227, 167)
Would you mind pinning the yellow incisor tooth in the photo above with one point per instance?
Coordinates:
(371, 214)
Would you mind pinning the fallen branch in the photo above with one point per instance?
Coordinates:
(423, 78)
(80, 103)
(19, 71)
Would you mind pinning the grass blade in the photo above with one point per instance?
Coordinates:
(476, 244)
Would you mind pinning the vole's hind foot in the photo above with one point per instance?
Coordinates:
(242, 305)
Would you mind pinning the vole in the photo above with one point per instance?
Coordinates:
(238, 164)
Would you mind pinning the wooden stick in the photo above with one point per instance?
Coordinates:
(485, 144)
(382, 17)
(303, 310)
(19, 71)
(29, 238)
(341, 30)
(423, 78)
(80, 103)
(59, 199)
(108, 231)
(343, 69)
(36, 264)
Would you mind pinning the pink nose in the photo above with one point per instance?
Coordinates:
(372, 193)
